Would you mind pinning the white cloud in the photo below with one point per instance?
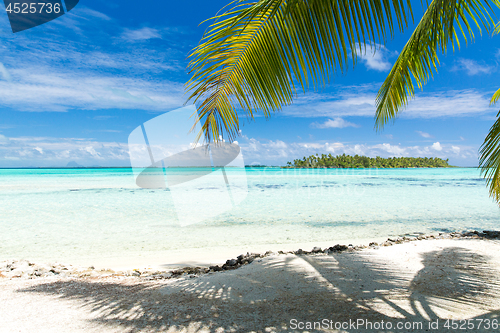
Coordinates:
(391, 149)
(141, 34)
(334, 147)
(376, 58)
(437, 146)
(334, 123)
(424, 134)
(49, 152)
(376, 62)
(267, 152)
(92, 152)
(344, 103)
(61, 70)
(278, 144)
(472, 67)
(34, 90)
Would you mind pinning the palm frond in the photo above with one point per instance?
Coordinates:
(489, 153)
(489, 159)
(495, 97)
(252, 56)
(497, 29)
(442, 24)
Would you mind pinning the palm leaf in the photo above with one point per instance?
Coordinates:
(497, 29)
(252, 56)
(442, 23)
(489, 160)
(495, 97)
(489, 153)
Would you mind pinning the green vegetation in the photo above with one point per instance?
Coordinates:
(356, 161)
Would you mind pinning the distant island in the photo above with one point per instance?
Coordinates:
(356, 161)
(73, 165)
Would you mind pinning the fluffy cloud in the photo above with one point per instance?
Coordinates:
(361, 102)
(375, 58)
(334, 123)
(437, 146)
(50, 152)
(376, 61)
(472, 67)
(271, 153)
(391, 149)
(55, 152)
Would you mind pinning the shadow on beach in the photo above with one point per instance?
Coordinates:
(266, 295)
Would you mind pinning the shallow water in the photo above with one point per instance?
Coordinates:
(80, 215)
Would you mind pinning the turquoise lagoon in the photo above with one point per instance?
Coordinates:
(86, 215)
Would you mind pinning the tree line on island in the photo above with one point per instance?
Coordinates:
(356, 161)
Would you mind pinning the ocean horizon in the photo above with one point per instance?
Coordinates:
(87, 215)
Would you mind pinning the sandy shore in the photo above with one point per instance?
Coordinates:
(416, 283)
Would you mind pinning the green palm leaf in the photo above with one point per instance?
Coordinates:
(252, 56)
(489, 153)
(495, 97)
(442, 23)
(489, 160)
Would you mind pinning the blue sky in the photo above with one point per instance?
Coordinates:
(75, 88)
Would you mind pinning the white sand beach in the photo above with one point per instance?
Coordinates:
(417, 283)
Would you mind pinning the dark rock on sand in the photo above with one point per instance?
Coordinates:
(492, 234)
(338, 248)
(215, 268)
(231, 262)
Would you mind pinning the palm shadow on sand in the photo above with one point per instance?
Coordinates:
(309, 288)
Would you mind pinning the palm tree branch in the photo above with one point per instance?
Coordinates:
(489, 160)
(252, 55)
(418, 60)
